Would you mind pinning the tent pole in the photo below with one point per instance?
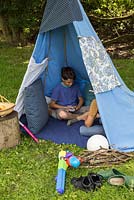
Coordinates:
(65, 50)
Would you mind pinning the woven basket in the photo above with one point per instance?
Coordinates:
(6, 107)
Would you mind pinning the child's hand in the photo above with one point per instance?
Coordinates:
(71, 108)
(67, 108)
(77, 107)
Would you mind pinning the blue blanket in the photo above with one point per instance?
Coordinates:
(58, 132)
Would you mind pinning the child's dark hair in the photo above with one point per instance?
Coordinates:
(67, 73)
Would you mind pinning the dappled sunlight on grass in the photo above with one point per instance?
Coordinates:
(13, 65)
(19, 47)
(15, 55)
(26, 62)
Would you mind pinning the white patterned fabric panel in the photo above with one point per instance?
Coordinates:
(98, 64)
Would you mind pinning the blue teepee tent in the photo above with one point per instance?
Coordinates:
(67, 38)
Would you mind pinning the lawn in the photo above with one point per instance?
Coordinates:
(28, 170)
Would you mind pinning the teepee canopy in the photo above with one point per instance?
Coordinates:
(59, 13)
(67, 38)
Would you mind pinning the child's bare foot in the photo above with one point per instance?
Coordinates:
(83, 116)
(71, 121)
(89, 121)
(93, 109)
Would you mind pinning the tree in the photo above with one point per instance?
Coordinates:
(112, 19)
(20, 19)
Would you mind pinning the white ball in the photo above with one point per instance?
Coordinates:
(96, 142)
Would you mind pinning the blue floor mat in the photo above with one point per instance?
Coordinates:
(58, 132)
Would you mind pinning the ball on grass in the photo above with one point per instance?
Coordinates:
(96, 142)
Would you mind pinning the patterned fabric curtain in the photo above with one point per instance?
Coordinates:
(98, 65)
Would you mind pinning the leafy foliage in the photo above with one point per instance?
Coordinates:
(110, 9)
(21, 20)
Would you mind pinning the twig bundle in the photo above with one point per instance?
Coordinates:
(104, 158)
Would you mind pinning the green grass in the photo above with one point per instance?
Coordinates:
(28, 170)
(13, 64)
(125, 68)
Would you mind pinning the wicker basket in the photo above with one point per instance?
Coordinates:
(6, 107)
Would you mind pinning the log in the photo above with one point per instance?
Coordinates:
(9, 130)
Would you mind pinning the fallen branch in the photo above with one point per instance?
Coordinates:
(104, 158)
(122, 38)
(97, 18)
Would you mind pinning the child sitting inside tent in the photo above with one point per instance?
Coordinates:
(88, 129)
(66, 100)
(89, 116)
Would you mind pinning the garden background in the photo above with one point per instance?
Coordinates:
(28, 170)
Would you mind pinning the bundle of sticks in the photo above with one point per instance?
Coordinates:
(104, 158)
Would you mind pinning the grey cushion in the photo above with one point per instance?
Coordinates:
(35, 105)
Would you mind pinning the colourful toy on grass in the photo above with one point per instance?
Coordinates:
(62, 167)
(72, 160)
(66, 159)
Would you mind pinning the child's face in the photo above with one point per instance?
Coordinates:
(68, 82)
